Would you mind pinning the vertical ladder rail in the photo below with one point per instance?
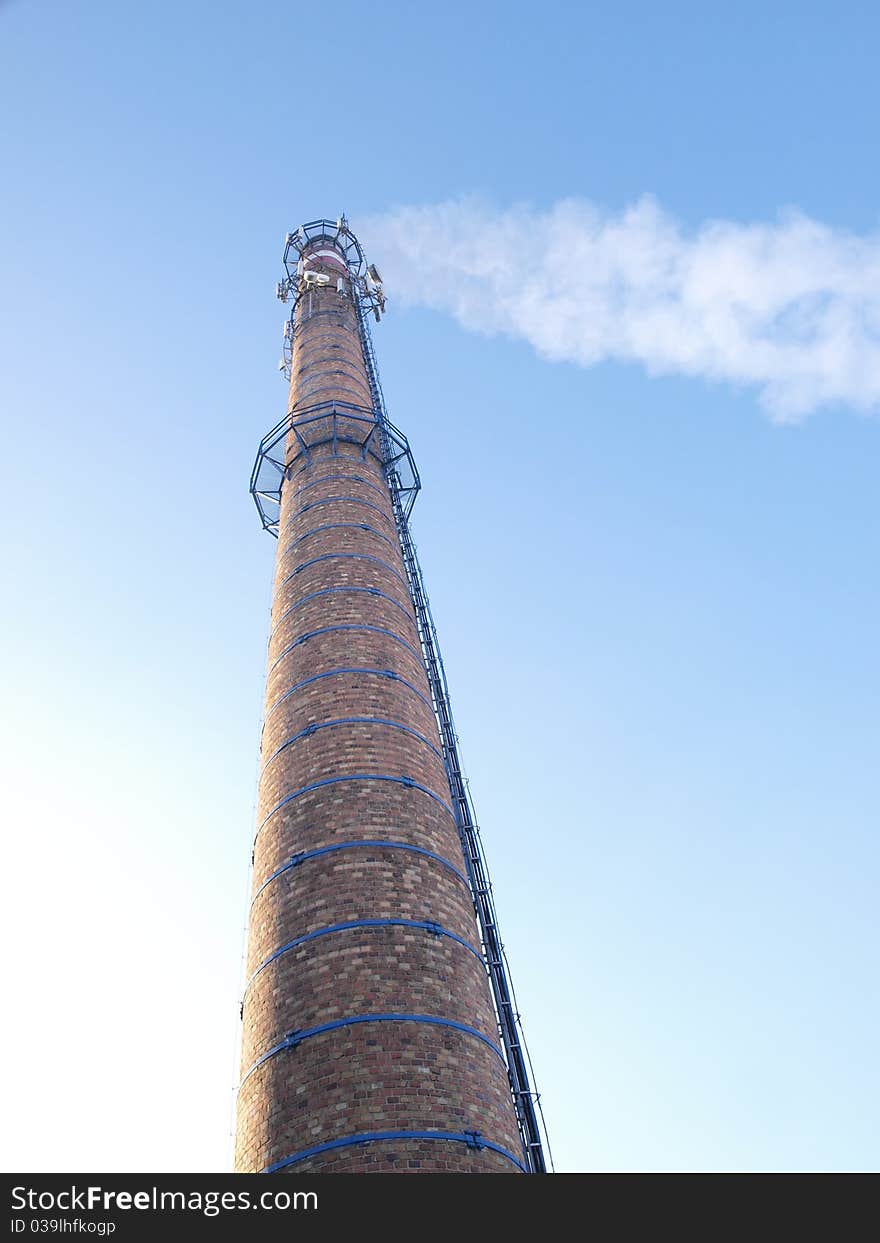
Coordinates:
(526, 1100)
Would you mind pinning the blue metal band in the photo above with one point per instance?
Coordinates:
(296, 860)
(332, 673)
(329, 500)
(428, 925)
(340, 526)
(351, 478)
(351, 720)
(326, 591)
(409, 782)
(295, 1038)
(331, 629)
(473, 1139)
(343, 556)
(315, 397)
(314, 373)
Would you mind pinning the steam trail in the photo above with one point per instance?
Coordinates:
(791, 308)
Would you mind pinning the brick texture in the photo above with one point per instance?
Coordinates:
(347, 697)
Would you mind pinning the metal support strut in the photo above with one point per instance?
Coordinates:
(526, 1100)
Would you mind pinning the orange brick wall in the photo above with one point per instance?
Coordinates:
(341, 603)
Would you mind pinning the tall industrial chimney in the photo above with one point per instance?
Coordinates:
(379, 1030)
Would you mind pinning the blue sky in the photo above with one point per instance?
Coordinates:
(656, 600)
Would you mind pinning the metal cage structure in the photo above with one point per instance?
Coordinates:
(328, 423)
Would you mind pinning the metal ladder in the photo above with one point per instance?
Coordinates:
(526, 1101)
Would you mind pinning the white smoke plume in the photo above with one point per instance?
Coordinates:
(791, 307)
